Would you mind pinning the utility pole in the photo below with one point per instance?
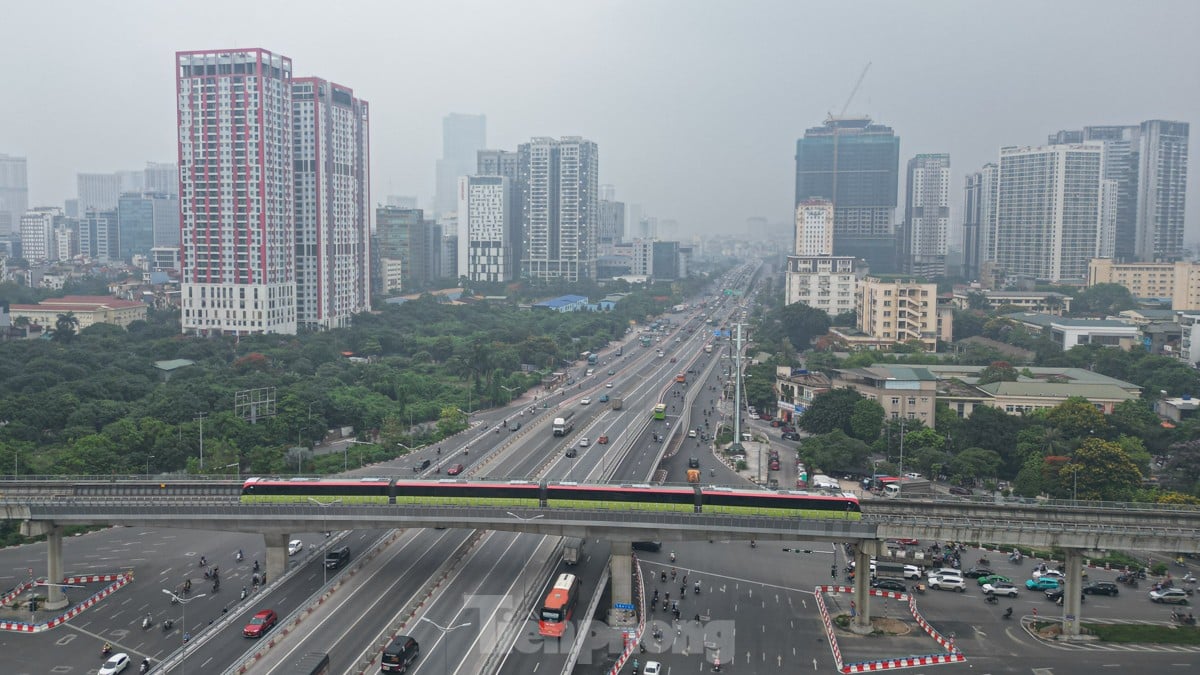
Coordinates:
(200, 416)
(737, 388)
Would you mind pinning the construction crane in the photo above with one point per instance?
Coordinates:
(855, 89)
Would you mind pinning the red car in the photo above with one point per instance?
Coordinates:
(261, 623)
(602, 440)
(455, 470)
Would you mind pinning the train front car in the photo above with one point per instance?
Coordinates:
(307, 490)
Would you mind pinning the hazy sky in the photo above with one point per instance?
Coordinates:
(696, 106)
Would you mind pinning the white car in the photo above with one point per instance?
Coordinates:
(295, 546)
(946, 572)
(1053, 574)
(585, 401)
(947, 583)
(584, 442)
(1000, 588)
(115, 664)
(652, 668)
(608, 385)
(913, 475)
(912, 572)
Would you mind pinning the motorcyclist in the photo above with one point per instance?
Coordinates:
(145, 665)
(106, 649)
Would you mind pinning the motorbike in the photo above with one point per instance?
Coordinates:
(105, 651)
(238, 557)
(203, 561)
(174, 599)
(168, 625)
(920, 588)
(1007, 613)
(753, 544)
(147, 622)
(696, 588)
(243, 592)
(145, 667)
(255, 565)
(991, 598)
(1185, 619)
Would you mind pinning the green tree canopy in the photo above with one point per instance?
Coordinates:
(998, 371)
(866, 420)
(1076, 417)
(1099, 470)
(1103, 300)
(835, 452)
(830, 411)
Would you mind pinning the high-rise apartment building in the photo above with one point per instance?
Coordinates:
(855, 164)
(462, 137)
(162, 178)
(1161, 190)
(98, 191)
(37, 233)
(1120, 165)
(814, 228)
(100, 236)
(901, 310)
(147, 220)
(330, 141)
(560, 179)
(825, 282)
(409, 248)
(237, 222)
(401, 201)
(14, 193)
(926, 216)
(611, 228)
(1048, 211)
(488, 239)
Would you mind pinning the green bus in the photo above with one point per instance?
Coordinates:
(660, 411)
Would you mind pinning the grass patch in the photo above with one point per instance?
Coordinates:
(1174, 635)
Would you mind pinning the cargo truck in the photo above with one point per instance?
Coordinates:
(693, 475)
(617, 403)
(572, 550)
(565, 424)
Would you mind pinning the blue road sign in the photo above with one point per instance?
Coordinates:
(622, 605)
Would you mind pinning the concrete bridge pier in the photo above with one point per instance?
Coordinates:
(1072, 593)
(620, 566)
(862, 585)
(55, 598)
(277, 555)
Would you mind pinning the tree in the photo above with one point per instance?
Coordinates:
(65, 327)
(830, 411)
(866, 420)
(848, 319)
(1182, 471)
(1099, 470)
(801, 324)
(1103, 299)
(993, 429)
(975, 463)
(835, 452)
(998, 371)
(968, 324)
(1076, 417)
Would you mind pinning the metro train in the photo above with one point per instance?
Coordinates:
(561, 495)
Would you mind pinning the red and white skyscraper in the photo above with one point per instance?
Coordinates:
(236, 197)
(333, 229)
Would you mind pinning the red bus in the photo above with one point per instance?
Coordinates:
(558, 606)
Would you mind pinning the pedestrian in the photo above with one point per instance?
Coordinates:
(682, 589)
(685, 579)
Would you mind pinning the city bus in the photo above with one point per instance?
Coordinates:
(558, 606)
(660, 411)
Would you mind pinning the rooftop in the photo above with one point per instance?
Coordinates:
(561, 301)
(1058, 390)
(1047, 320)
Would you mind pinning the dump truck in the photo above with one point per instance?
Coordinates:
(693, 475)
(565, 424)
(572, 550)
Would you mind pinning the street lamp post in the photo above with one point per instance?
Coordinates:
(201, 416)
(183, 623)
(148, 458)
(325, 527)
(524, 581)
(238, 465)
(444, 630)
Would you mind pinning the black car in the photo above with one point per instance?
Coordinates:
(1100, 588)
(886, 584)
(976, 572)
(652, 546)
(1056, 595)
(790, 436)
